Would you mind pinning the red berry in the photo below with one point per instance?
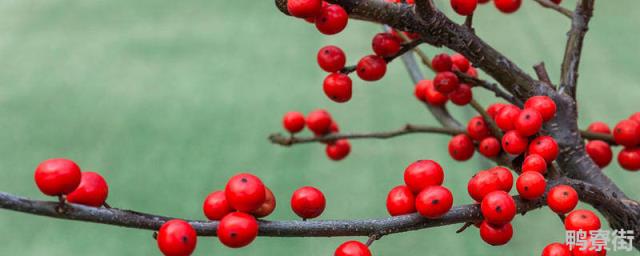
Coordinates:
(267, 207)
(400, 201)
(461, 147)
(508, 6)
(534, 163)
(472, 72)
(498, 208)
(331, 58)
(420, 89)
(441, 62)
(308, 202)
(237, 229)
(460, 62)
(531, 185)
(489, 147)
(176, 238)
(562, 199)
(332, 19)
(216, 206)
(57, 176)
(92, 191)
(599, 127)
(496, 234)
(433, 96)
(352, 248)
(319, 121)
(422, 174)
(556, 1)
(293, 122)
(446, 82)
(629, 159)
(506, 117)
(545, 146)
(304, 8)
(483, 183)
(371, 68)
(334, 128)
(477, 128)
(528, 122)
(433, 202)
(556, 249)
(545, 105)
(600, 152)
(582, 220)
(464, 7)
(385, 44)
(589, 248)
(461, 96)
(514, 143)
(338, 150)
(627, 133)
(337, 87)
(245, 192)
(635, 117)
(494, 109)
(504, 177)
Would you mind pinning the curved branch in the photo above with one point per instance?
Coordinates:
(573, 50)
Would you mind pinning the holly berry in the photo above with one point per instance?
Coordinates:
(556, 249)
(477, 128)
(371, 68)
(461, 96)
(461, 147)
(308, 202)
(245, 192)
(489, 147)
(629, 159)
(176, 238)
(543, 104)
(483, 183)
(422, 174)
(216, 205)
(331, 58)
(514, 143)
(498, 208)
(504, 177)
(446, 82)
(433, 96)
(496, 234)
(338, 150)
(556, 1)
(508, 6)
(332, 19)
(589, 248)
(584, 220)
(528, 122)
(464, 7)
(460, 63)
(237, 229)
(531, 185)
(434, 201)
(534, 163)
(472, 72)
(304, 8)
(441, 62)
(546, 147)
(400, 201)
(337, 87)
(267, 207)
(506, 117)
(562, 199)
(352, 248)
(57, 176)
(92, 191)
(599, 127)
(494, 109)
(420, 89)
(600, 152)
(293, 122)
(627, 133)
(319, 121)
(385, 44)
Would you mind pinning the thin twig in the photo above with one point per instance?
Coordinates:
(552, 5)
(464, 227)
(573, 50)
(407, 46)
(608, 138)
(489, 86)
(495, 130)
(542, 73)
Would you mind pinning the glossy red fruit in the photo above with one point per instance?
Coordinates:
(629, 159)
(556, 1)
(352, 248)
(496, 234)
(528, 122)
(506, 117)
(216, 206)
(531, 185)
(543, 104)
(562, 199)
(331, 58)
(483, 183)
(446, 82)
(433, 202)
(461, 96)
(337, 87)
(489, 147)
(422, 174)
(308, 202)
(400, 201)
(267, 207)
(245, 192)
(332, 19)
(441, 62)
(582, 220)
(627, 133)
(534, 163)
(304, 8)
(176, 238)
(508, 6)
(494, 109)
(334, 128)
(420, 89)
(385, 44)
(472, 72)
(546, 147)
(319, 121)
(92, 191)
(589, 248)
(556, 249)
(461, 147)
(504, 176)
(635, 117)
(460, 63)
(237, 229)
(464, 7)
(293, 122)
(514, 143)
(57, 176)
(600, 152)
(477, 128)
(371, 68)
(599, 127)
(433, 96)
(498, 208)
(338, 150)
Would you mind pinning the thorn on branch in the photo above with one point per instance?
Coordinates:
(464, 227)
(373, 238)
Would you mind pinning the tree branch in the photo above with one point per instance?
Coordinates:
(560, 9)
(573, 50)
(489, 86)
(407, 46)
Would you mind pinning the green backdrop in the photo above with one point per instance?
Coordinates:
(169, 99)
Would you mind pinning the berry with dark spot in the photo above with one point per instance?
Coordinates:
(461, 147)
(386, 44)
(446, 82)
(496, 234)
(582, 220)
(352, 248)
(514, 143)
(504, 176)
(434, 201)
(338, 150)
(546, 147)
(422, 174)
(477, 128)
(498, 208)
(627, 133)
(237, 229)
(245, 192)
(531, 185)
(483, 183)
(332, 19)
(176, 238)
(489, 147)
(534, 163)
(371, 68)
(337, 87)
(543, 104)
(562, 199)
(441, 62)
(528, 122)
(331, 58)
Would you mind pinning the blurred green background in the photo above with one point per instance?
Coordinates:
(169, 99)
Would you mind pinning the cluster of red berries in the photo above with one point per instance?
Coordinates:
(321, 124)
(60, 177)
(578, 220)
(329, 19)
(446, 85)
(627, 134)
